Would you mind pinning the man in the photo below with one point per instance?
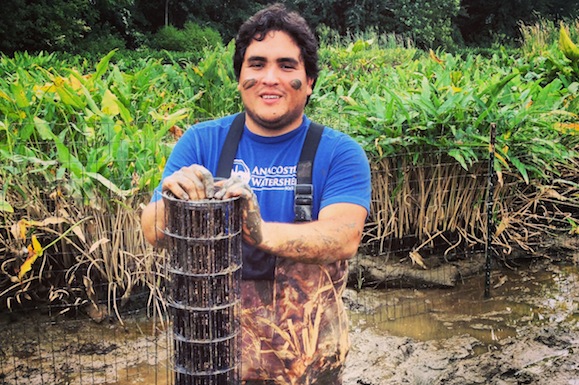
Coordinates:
(294, 325)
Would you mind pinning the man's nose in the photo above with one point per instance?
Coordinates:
(271, 75)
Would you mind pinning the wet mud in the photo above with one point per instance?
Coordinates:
(527, 332)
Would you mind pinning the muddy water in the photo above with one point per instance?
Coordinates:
(86, 353)
(533, 294)
(145, 374)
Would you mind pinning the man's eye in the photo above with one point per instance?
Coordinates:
(288, 65)
(255, 65)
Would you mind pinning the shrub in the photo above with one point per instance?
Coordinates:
(192, 38)
(101, 45)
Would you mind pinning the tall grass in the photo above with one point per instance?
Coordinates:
(437, 110)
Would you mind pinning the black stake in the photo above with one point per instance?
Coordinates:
(490, 223)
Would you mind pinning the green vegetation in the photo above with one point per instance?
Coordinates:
(192, 38)
(100, 25)
(83, 144)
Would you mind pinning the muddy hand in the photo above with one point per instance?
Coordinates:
(235, 187)
(190, 183)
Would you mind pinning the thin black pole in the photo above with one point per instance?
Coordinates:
(490, 199)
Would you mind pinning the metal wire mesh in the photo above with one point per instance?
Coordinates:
(42, 349)
(204, 246)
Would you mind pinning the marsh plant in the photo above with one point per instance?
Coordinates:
(83, 144)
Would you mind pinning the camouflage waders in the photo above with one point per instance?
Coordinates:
(295, 328)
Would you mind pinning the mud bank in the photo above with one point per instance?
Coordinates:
(534, 339)
(548, 356)
(526, 333)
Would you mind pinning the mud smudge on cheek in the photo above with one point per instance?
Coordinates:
(296, 84)
(247, 84)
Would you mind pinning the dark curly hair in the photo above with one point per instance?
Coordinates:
(277, 18)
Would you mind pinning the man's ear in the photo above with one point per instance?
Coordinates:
(311, 84)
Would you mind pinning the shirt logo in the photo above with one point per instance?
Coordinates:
(241, 170)
(266, 178)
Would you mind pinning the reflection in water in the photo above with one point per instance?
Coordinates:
(531, 294)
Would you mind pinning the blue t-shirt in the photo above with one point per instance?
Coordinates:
(341, 173)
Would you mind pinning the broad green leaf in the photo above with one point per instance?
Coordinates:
(521, 167)
(170, 119)
(569, 49)
(69, 98)
(125, 113)
(493, 92)
(83, 83)
(68, 160)
(109, 104)
(108, 184)
(457, 154)
(19, 95)
(43, 129)
(5, 207)
(4, 95)
(103, 64)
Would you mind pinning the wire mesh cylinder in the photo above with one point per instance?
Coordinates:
(204, 273)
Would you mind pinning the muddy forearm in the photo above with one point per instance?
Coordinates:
(318, 242)
(153, 222)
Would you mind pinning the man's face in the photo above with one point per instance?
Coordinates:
(273, 84)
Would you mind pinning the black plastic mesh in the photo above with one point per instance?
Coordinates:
(204, 246)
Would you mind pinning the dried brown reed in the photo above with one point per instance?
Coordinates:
(425, 202)
(442, 207)
(100, 258)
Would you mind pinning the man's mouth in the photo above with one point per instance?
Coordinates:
(270, 97)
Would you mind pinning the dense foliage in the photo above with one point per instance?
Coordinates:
(102, 25)
(497, 21)
(80, 139)
(63, 116)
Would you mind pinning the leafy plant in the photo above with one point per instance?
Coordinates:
(192, 38)
(85, 140)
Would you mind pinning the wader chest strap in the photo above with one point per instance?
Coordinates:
(304, 190)
(230, 147)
